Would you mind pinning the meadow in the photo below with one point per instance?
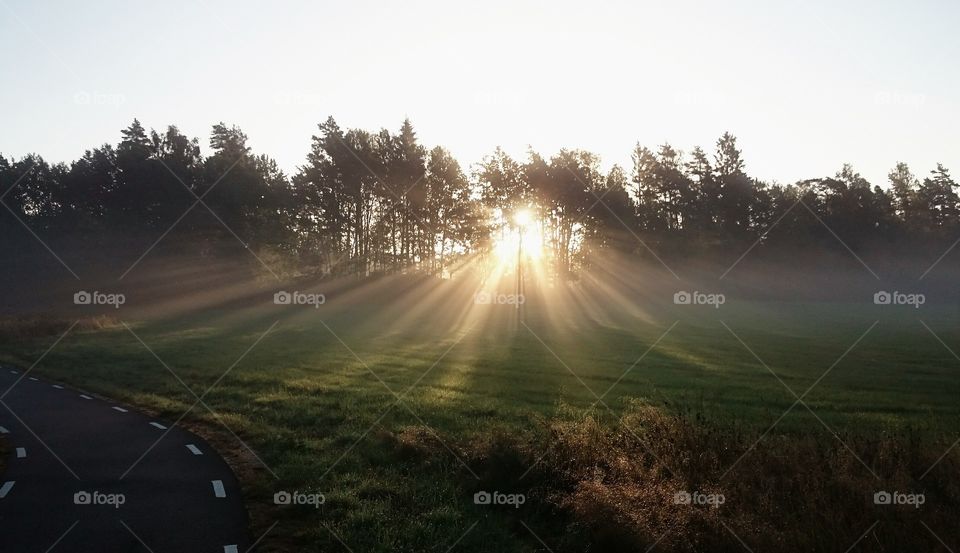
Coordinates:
(405, 397)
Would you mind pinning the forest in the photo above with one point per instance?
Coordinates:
(380, 202)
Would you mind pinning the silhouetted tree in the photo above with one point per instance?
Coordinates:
(370, 202)
(937, 197)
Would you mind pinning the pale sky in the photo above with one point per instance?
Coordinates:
(805, 86)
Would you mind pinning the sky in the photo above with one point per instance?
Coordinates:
(805, 86)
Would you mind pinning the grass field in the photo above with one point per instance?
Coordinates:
(343, 399)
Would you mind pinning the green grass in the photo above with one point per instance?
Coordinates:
(319, 413)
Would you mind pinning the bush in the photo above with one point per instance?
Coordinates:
(614, 487)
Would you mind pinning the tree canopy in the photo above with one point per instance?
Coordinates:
(370, 202)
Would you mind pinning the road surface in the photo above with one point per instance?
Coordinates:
(85, 475)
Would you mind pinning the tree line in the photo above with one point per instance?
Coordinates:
(372, 202)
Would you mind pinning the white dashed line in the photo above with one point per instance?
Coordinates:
(4, 430)
(158, 425)
(121, 409)
(193, 449)
(84, 396)
(33, 379)
(5, 489)
(21, 452)
(229, 549)
(218, 488)
(57, 386)
(13, 372)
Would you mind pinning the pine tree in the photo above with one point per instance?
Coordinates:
(938, 196)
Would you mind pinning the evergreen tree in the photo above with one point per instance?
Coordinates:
(937, 196)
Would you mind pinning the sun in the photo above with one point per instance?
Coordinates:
(521, 238)
(522, 218)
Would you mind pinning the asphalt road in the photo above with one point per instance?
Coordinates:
(89, 475)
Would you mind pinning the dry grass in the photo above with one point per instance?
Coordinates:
(603, 487)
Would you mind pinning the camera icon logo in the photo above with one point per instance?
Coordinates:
(882, 498)
(282, 498)
(482, 498)
(82, 298)
(482, 298)
(682, 498)
(82, 498)
(882, 298)
(682, 298)
(282, 298)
